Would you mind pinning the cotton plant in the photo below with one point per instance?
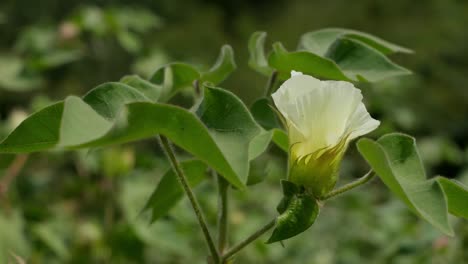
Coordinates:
(311, 109)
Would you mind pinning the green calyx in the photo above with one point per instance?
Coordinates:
(318, 171)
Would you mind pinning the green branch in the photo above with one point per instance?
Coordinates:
(364, 179)
(248, 240)
(223, 187)
(165, 144)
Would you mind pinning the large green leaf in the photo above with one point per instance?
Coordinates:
(103, 118)
(395, 159)
(319, 41)
(361, 62)
(222, 68)
(298, 212)
(257, 58)
(174, 77)
(303, 61)
(169, 192)
(233, 128)
(145, 120)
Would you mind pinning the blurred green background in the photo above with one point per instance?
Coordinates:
(84, 207)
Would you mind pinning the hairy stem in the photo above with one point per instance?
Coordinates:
(223, 187)
(188, 191)
(248, 240)
(364, 179)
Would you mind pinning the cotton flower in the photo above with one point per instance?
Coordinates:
(322, 117)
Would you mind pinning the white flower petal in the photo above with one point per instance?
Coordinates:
(361, 123)
(321, 113)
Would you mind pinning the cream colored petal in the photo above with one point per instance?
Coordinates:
(321, 113)
(361, 123)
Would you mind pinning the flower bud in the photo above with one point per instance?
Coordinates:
(322, 117)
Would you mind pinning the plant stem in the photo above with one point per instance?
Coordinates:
(12, 172)
(223, 187)
(248, 240)
(188, 191)
(271, 83)
(349, 186)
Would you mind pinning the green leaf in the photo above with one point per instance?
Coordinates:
(319, 41)
(257, 57)
(222, 68)
(143, 120)
(264, 114)
(108, 99)
(303, 61)
(457, 196)
(358, 61)
(150, 90)
(39, 131)
(94, 122)
(298, 212)
(395, 159)
(280, 138)
(174, 77)
(233, 128)
(80, 123)
(169, 192)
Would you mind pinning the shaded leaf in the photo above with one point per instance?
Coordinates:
(169, 192)
(263, 113)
